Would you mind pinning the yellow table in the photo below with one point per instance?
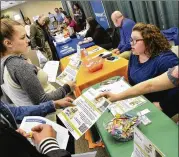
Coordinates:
(86, 79)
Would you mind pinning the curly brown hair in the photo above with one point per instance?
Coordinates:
(154, 41)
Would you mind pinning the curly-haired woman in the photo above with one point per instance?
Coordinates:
(151, 56)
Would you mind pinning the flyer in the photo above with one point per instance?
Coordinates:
(143, 147)
(31, 121)
(84, 114)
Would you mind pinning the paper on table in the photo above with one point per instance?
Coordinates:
(95, 50)
(80, 118)
(31, 121)
(51, 68)
(89, 154)
(123, 106)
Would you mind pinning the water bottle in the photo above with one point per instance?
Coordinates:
(78, 36)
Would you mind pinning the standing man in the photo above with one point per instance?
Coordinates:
(63, 11)
(125, 26)
(38, 37)
(59, 16)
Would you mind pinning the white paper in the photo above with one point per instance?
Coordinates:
(31, 121)
(61, 39)
(143, 147)
(89, 154)
(95, 50)
(123, 106)
(80, 118)
(83, 33)
(51, 68)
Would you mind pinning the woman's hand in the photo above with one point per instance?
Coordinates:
(110, 96)
(22, 132)
(65, 102)
(42, 132)
(72, 85)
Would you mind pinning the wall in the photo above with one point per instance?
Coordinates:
(33, 8)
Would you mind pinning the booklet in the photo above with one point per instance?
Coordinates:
(70, 72)
(143, 147)
(31, 121)
(80, 118)
(118, 86)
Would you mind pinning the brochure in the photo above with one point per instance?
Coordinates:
(80, 118)
(70, 72)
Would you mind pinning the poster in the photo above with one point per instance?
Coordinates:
(100, 13)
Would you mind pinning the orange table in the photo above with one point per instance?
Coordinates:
(86, 79)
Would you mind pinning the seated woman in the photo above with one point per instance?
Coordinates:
(98, 34)
(152, 56)
(72, 23)
(19, 79)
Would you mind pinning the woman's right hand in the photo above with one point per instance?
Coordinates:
(72, 85)
(65, 102)
(110, 96)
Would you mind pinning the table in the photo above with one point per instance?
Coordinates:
(72, 44)
(162, 132)
(86, 79)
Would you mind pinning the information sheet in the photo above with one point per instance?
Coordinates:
(31, 121)
(80, 118)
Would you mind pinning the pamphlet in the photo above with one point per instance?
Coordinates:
(123, 106)
(80, 118)
(70, 72)
(143, 147)
(31, 121)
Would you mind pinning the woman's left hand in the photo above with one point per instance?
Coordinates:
(22, 132)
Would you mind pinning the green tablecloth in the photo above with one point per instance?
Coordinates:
(162, 132)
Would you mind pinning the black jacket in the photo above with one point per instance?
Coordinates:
(100, 37)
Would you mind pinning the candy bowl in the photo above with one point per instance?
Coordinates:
(121, 127)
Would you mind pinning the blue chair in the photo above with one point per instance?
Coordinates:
(171, 34)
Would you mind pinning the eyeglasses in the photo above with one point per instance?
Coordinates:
(134, 41)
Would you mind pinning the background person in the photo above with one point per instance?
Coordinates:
(39, 38)
(124, 26)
